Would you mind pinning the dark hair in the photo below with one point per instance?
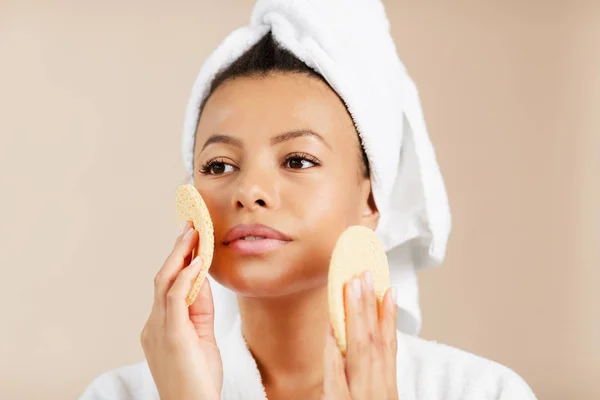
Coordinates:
(266, 57)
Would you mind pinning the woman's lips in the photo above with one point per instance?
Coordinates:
(256, 246)
(254, 239)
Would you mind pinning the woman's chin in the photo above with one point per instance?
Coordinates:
(259, 278)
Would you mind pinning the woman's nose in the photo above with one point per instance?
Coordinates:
(256, 190)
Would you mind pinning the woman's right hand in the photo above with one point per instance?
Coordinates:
(179, 342)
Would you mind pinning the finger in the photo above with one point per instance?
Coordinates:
(168, 272)
(174, 263)
(176, 307)
(387, 322)
(357, 338)
(335, 385)
(373, 363)
(202, 312)
(370, 305)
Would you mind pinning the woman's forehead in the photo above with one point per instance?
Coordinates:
(273, 104)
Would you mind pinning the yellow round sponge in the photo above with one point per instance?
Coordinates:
(191, 207)
(358, 249)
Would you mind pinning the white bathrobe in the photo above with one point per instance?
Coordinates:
(425, 370)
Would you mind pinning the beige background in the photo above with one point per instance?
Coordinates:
(92, 96)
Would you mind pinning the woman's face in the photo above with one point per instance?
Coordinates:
(279, 151)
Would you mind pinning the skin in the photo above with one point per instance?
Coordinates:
(308, 187)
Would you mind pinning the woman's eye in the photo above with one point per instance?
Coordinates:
(217, 168)
(299, 163)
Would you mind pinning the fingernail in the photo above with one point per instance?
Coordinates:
(196, 260)
(356, 288)
(394, 295)
(184, 226)
(369, 280)
(188, 234)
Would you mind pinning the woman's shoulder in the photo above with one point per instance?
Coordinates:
(428, 369)
(123, 383)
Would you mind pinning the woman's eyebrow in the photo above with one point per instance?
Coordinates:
(295, 134)
(226, 139)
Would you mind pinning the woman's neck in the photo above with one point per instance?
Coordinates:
(286, 336)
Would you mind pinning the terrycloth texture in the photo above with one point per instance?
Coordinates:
(424, 370)
(348, 42)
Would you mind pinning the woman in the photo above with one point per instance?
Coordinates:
(279, 161)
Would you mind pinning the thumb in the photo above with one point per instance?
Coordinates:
(202, 313)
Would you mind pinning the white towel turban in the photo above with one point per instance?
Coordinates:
(348, 42)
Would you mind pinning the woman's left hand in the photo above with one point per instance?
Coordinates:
(368, 371)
